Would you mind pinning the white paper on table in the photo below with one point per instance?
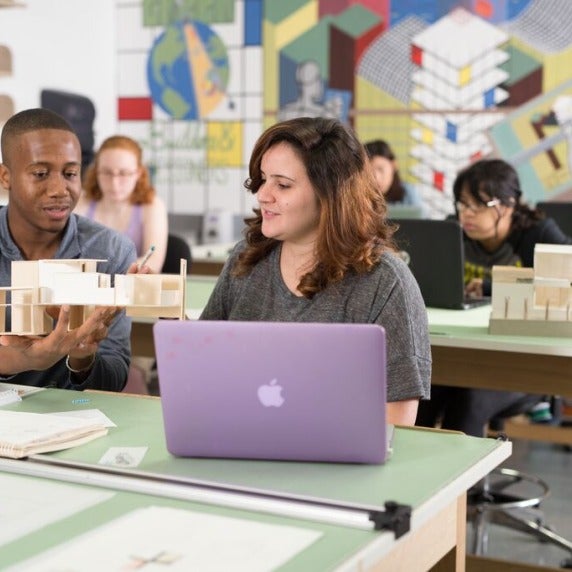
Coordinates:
(28, 504)
(23, 390)
(183, 539)
(8, 396)
(91, 414)
(123, 457)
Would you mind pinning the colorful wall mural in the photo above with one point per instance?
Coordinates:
(444, 81)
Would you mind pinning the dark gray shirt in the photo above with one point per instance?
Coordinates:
(388, 295)
(82, 239)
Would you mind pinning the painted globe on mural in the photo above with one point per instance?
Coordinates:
(187, 70)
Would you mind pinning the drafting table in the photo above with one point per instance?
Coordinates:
(430, 472)
(466, 355)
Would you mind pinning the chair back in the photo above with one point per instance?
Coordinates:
(177, 248)
(561, 212)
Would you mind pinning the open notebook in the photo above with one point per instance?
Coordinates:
(273, 390)
(23, 433)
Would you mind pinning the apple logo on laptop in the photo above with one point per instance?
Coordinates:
(270, 395)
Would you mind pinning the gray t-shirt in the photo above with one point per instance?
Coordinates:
(388, 295)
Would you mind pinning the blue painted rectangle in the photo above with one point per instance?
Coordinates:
(252, 22)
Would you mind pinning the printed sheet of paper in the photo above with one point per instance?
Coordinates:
(8, 396)
(176, 540)
(92, 414)
(28, 504)
(23, 390)
(123, 457)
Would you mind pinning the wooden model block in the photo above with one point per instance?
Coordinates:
(6, 108)
(534, 301)
(553, 260)
(5, 60)
(41, 283)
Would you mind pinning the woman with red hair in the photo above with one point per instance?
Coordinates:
(118, 194)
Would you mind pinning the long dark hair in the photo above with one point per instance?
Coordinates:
(380, 148)
(495, 179)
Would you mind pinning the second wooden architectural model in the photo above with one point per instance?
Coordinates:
(534, 301)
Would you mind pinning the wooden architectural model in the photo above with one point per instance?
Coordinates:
(40, 283)
(534, 301)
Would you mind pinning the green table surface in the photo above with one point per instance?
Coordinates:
(469, 328)
(455, 328)
(423, 461)
(199, 289)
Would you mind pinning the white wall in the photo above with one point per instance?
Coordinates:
(67, 45)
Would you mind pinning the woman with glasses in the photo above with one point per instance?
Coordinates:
(118, 194)
(499, 229)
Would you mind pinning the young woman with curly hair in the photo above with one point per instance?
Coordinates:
(319, 249)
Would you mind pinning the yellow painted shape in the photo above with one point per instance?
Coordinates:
(207, 93)
(465, 75)
(427, 136)
(224, 147)
(276, 36)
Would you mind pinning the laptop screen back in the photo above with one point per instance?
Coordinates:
(273, 390)
(435, 252)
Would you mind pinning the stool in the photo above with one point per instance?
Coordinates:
(495, 501)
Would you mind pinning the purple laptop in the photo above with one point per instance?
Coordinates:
(273, 390)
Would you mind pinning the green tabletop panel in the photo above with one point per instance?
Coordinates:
(442, 457)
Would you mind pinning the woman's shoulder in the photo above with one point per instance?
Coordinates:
(391, 269)
(547, 229)
(156, 203)
(554, 233)
(153, 210)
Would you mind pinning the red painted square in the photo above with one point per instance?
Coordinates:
(438, 180)
(416, 55)
(484, 9)
(135, 108)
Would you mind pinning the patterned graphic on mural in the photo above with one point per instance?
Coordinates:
(537, 139)
(460, 85)
(444, 81)
(310, 101)
(190, 91)
(432, 77)
(188, 70)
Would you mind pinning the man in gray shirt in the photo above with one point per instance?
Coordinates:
(41, 165)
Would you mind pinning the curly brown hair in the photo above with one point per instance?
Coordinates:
(353, 230)
(143, 193)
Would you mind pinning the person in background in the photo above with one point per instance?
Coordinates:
(499, 229)
(384, 163)
(319, 249)
(41, 170)
(119, 195)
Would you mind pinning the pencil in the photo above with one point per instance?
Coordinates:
(147, 256)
